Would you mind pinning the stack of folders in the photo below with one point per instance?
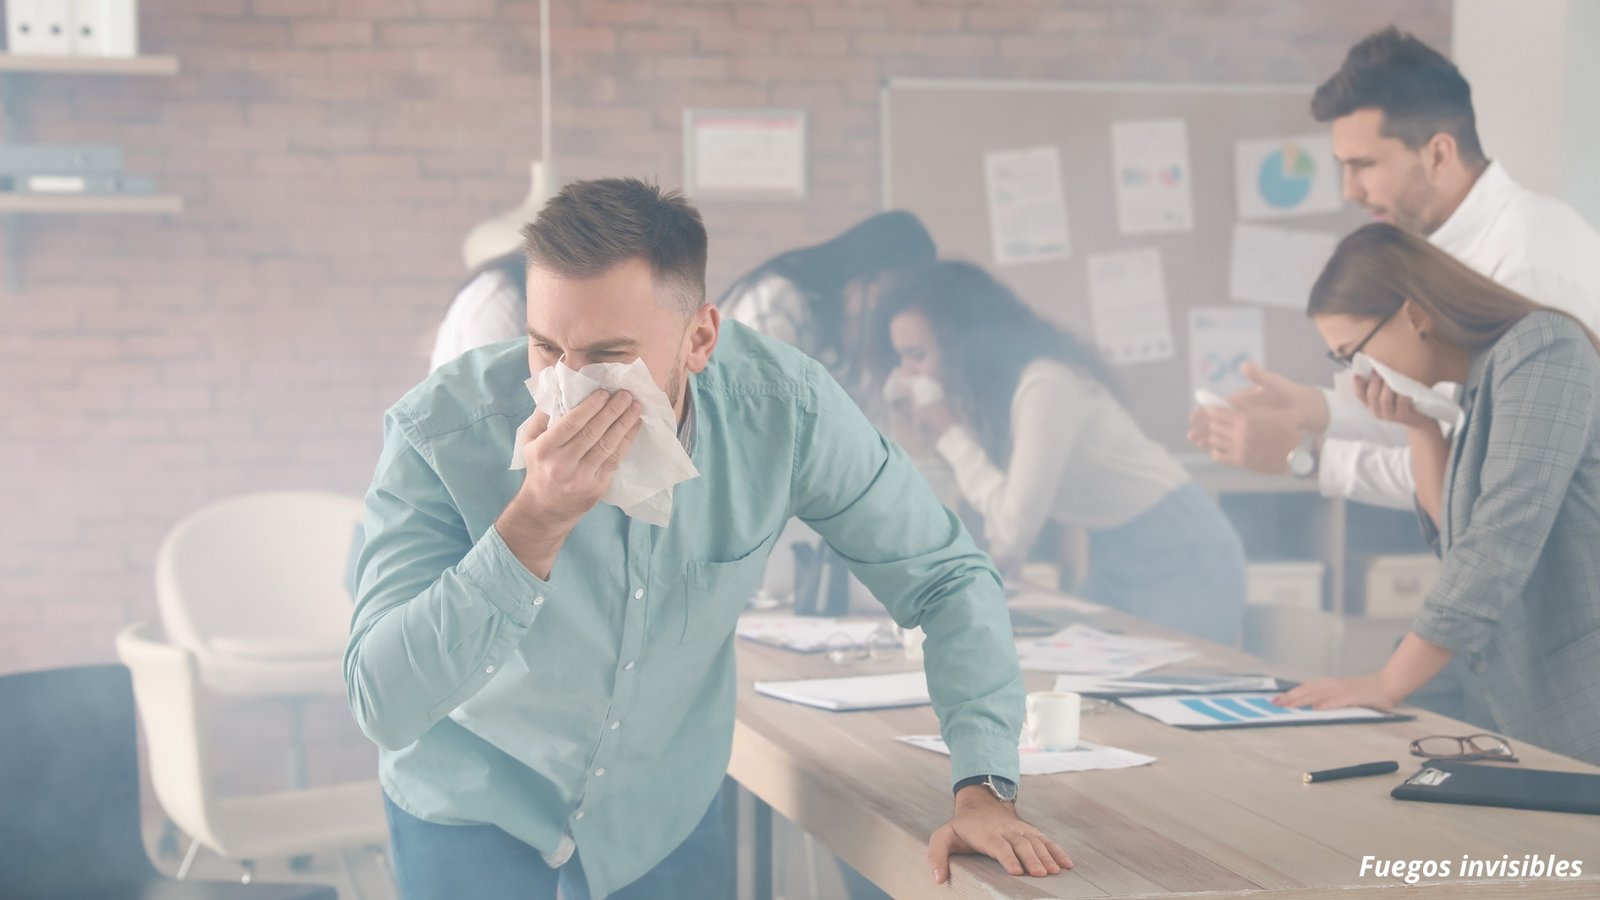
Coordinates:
(67, 169)
(858, 692)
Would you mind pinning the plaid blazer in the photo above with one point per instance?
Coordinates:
(1519, 588)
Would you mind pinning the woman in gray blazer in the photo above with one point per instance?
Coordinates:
(1511, 499)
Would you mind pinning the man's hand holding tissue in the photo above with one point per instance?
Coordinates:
(569, 467)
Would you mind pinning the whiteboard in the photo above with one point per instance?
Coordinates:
(936, 132)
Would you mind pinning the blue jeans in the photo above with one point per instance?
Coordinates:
(1178, 563)
(449, 862)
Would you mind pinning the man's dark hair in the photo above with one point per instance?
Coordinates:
(592, 226)
(1419, 91)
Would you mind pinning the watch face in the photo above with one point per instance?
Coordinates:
(1300, 463)
(1004, 789)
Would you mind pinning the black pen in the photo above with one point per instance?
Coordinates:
(1377, 768)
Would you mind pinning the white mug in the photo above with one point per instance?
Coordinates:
(1053, 719)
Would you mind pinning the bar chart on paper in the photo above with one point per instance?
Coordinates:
(1245, 710)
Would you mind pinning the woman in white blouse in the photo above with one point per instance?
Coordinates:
(1027, 418)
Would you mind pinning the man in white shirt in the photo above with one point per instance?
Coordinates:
(1404, 132)
(491, 307)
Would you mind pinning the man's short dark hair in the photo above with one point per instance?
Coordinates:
(592, 226)
(1419, 91)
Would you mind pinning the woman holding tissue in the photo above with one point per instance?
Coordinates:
(1026, 417)
(1512, 500)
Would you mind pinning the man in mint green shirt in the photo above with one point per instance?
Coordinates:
(550, 681)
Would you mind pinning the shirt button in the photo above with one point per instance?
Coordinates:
(489, 669)
(578, 816)
(638, 594)
(615, 725)
(628, 666)
(538, 601)
(600, 772)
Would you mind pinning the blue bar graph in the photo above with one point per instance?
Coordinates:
(1205, 708)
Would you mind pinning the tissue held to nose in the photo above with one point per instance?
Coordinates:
(642, 485)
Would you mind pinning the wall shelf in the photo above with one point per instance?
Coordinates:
(88, 65)
(13, 84)
(98, 204)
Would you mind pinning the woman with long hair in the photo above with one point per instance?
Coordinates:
(1034, 432)
(819, 298)
(1511, 498)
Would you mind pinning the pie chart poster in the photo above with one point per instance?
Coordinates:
(1290, 176)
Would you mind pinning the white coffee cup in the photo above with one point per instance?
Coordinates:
(1053, 718)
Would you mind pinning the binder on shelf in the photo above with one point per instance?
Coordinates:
(39, 27)
(105, 28)
(60, 159)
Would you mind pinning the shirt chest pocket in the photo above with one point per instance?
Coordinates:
(703, 608)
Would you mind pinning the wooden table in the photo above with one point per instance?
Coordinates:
(1223, 813)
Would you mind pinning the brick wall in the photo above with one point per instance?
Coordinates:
(332, 154)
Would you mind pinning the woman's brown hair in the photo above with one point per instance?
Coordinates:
(1378, 267)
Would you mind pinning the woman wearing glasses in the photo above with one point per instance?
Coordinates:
(1512, 499)
(1033, 431)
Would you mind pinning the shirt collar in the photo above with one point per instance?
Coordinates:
(686, 429)
(1478, 210)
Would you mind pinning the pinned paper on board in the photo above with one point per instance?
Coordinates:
(1277, 266)
(1027, 206)
(1128, 301)
(1289, 176)
(1151, 163)
(1221, 341)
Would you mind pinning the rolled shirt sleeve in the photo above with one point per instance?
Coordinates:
(1540, 412)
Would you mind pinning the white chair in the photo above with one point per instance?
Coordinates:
(339, 819)
(254, 586)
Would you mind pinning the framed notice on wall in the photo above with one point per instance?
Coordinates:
(744, 154)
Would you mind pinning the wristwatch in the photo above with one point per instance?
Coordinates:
(1303, 458)
(1004, 788)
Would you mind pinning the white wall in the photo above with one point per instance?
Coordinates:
(1536, 87)
(1582, 162)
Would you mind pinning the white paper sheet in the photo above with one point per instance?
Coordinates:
(757, 156)
(1027, 207)
(1128, 302)
(805, 634)
(1286, 176)
(1086, 758)
(1151, 162)
(1084, 650)
(1241, 710)
(1221, 341)
(1277, 266)
(852, 693)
